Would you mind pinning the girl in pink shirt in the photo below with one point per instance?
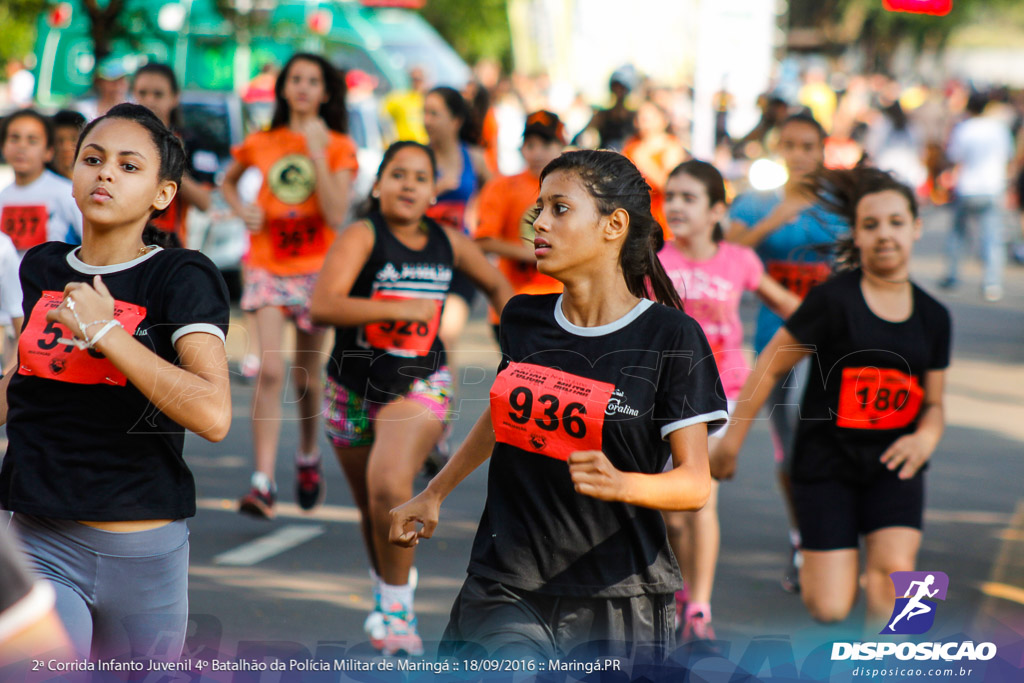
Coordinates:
(711, 276)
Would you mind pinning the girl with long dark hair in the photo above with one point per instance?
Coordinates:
(388, 384)
(122, 351)
(598, 388)
(308, 165)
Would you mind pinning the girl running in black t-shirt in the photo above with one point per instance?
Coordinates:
(597, 389)
(388, 385)
(870, 421)
(122, 350)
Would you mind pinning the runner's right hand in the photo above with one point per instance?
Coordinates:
(418, 310)
(424, 510)
(253, 217)
(722, 457)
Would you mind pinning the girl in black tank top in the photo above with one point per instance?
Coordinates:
(383, 287)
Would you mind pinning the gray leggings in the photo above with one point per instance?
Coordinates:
(118, 594)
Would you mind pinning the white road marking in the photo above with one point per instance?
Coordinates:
(257, 550)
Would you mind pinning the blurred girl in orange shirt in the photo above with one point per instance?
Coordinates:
(308, 165)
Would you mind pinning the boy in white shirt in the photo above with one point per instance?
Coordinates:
(10, 299)
(38, 206)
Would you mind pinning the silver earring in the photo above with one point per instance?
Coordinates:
(433, 200)
(375, 194)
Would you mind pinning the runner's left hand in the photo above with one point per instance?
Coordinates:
(908, 454)
(594, 475)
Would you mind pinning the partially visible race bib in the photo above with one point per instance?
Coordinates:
(297, 237)
(41, 355)
(25, 225)
(798, 277)
(403, 337)
(878, 398)
(548, 411)
(449, 214)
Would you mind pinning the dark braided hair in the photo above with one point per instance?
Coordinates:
(168, 145)
(840, 191)
(615, 183)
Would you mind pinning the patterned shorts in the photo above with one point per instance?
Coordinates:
(349, 418)
(290, 293)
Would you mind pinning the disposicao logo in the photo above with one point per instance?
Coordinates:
(914, 612)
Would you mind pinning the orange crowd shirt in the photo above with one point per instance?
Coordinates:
(657, 192)
(173, 219)
(294, 238)
(489, 140)
(503, 203)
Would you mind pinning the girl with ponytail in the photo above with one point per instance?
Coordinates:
(598, 388)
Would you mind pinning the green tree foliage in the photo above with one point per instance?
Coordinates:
(18, 27)
(867, 24)
(475, 28)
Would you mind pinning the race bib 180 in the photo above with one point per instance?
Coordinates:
(548, 411)
(878, 398)
(798, 277)
(42, 355)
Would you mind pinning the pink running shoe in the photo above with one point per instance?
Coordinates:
(401, 636)
(682, 597)
(697, 624)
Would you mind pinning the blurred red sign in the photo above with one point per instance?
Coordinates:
(60, 16)
(939, 8)
(409, 4)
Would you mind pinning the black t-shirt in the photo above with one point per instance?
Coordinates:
(619, 388)
(380, 361)
(867, 377)
(83, 442)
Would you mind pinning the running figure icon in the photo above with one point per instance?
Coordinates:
(915, 606)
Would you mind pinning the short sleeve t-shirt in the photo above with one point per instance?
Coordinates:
(867, 380)
(799, 254)
(620, 388)
(84, 443)
(503, 203)
(42, 211)
(10, 286)
(295, 237)
(711, 292)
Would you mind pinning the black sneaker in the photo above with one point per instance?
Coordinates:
(791, 578)
(257, 503)
(309, 485)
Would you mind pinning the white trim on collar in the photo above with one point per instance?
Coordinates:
(84, 268)
(600, 330)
